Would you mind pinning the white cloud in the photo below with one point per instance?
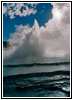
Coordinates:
(58, 31)
(51, 40)
(13, 9)
(4, 9)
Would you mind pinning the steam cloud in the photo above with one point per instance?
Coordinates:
(51, 40)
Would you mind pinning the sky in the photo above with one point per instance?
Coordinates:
(36, 30)
(41, 12)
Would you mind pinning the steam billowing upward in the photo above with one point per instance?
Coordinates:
(51, 40)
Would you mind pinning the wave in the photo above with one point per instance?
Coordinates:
(39, 64)
(41, 74)
(56, 83)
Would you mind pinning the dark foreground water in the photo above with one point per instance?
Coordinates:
(36, 81)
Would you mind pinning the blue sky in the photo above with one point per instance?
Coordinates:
(43, 14)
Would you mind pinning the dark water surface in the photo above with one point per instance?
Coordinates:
(36, 81)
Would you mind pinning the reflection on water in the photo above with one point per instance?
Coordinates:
(24, 70)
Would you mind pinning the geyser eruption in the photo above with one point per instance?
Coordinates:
(50, 40)
(24, 51)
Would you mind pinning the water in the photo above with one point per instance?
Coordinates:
(36, 81)
(16, 70)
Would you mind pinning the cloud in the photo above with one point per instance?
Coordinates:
(19, 9)
(51, 40)
(4, 9)
(58, 31)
